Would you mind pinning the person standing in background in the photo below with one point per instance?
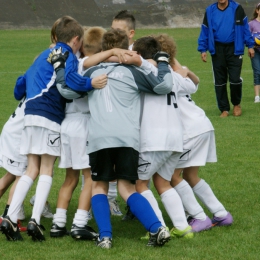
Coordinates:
(224, 33)
(254, 26)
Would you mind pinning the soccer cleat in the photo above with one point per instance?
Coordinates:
(159, 238)
(225, 221)
(46, 210)
(83, 233)
(147, 236)
(186, 233)
(57, 231)
(114, 208)
(200, 225)
(257, 99)
(105, 242)
(129, 215)
(35, 231)
(21, 228)
(10, 230)
(21, 213)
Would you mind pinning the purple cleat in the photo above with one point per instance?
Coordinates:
(225, 221)
(200, 225)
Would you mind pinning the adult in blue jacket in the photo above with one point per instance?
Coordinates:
(224, 33)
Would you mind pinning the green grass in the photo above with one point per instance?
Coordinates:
(234, 178)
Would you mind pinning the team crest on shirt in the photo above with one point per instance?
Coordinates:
(54, 140)
(143, 165)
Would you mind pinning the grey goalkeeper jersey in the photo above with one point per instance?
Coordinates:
(115, 109)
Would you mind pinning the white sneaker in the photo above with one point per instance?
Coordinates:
(257, 99)
(47, 208)
(21, 213)
(114, 208)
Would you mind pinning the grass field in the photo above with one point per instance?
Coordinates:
(234, 178)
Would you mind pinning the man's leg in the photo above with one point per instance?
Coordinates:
(220, 78)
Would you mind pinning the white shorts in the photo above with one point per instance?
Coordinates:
(74, 131)
(15, 168)
(40, 140)
(162, 162)
(199, 150)
(10, 141)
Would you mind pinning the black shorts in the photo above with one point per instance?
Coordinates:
(114, 163)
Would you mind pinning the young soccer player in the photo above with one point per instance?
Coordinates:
(199, 148)
(116, 142)
(44, 113)
(161, 144)
(125, 21)
(74, 131)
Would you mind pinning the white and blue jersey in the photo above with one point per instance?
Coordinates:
(43, 97)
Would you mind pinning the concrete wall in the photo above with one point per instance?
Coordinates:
(18, 14)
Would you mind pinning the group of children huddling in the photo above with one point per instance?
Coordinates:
(122, 117)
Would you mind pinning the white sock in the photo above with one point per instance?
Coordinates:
(207, 197)
(21, 190)
(154, 204)
(60, 217)
(83, 181)
(81, 218)
(112, 191)
(189, 201)
(173, 205)
(41, 195)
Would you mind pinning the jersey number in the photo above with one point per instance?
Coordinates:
(171, 99)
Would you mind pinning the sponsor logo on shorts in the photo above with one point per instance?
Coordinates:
(13, 163)
(143, 165)
(54, 140)
(185, 155)
(94, 173)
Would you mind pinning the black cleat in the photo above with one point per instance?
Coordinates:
(84, 233)
(57, 231)
(10, 229)
(159, 238)
(129, 215)
(35, 231)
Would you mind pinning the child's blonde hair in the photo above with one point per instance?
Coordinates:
(92, 40)
(168, 45)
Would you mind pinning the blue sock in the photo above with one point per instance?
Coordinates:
(101, 211)
(142, 209)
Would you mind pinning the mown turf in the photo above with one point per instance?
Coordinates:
(234, 178)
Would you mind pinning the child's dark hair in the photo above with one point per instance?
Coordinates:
(124, 15)
(146, 47)
(255, 14)
(115, 38)
(67, 29)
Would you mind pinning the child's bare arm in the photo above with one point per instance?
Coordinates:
(185, 72)
(122, 56)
